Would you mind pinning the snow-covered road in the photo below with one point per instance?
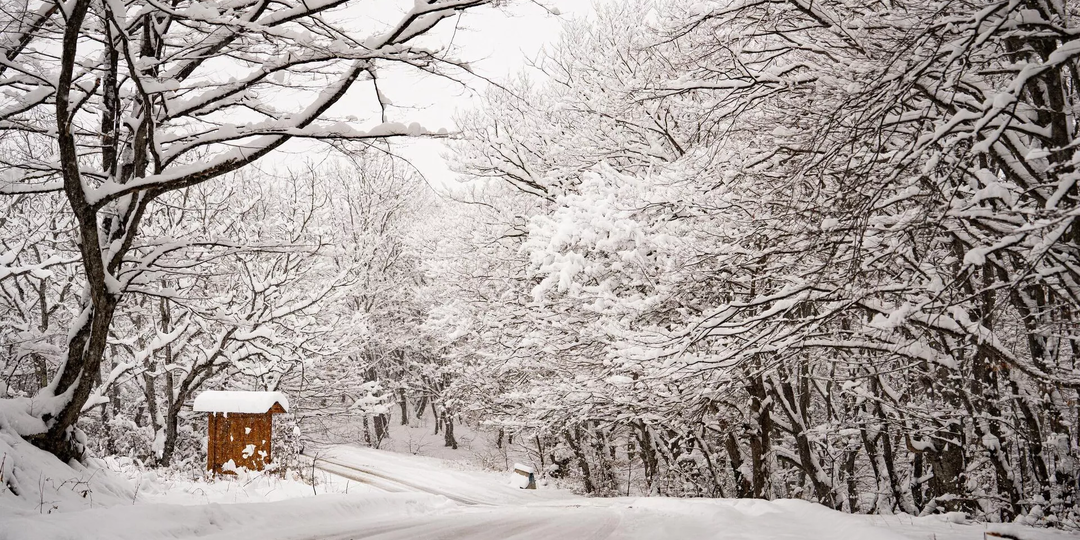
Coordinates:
(630, 519)
(402, 497)
(499, 510)
(497, 524)
(401, 473)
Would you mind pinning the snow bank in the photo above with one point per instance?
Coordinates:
(193, 487)
(308, 518)
(32, 480)
(949, 527)
(16, 417)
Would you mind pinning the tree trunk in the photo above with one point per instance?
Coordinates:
(794, 408)
(85, 351)
(448, 431)
(169, 447)
(946, 487)
(420, 406)
(743, 488)
(381, 424)
(847, 469)
(760, 437)
(888, 455)
(582, 459)
(646, 450)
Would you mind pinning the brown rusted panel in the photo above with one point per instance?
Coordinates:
(211, 420)
(241, 437)
(217, 447)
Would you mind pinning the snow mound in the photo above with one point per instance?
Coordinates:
(34, 481)
(296, 518)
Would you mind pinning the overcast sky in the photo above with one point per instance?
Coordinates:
(497, 42)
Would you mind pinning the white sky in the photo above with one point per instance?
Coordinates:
(497, 42)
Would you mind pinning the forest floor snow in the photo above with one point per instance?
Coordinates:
(267, 507)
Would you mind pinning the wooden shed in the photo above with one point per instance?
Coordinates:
(240, 428)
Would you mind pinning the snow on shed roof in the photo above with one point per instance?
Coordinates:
(239, 401)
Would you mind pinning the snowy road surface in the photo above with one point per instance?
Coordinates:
(397, 472)
(399, 497)
(617, 519)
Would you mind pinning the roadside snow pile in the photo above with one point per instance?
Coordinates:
(32, 480)
(735, 519)
(194, 487)
(954, 526)
(307, 518)
(16, 417)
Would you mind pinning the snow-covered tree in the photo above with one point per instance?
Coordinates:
(115, 105)
(803, 249)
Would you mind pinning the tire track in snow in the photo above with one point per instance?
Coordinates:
(384, 481)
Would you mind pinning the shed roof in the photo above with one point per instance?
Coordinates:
(239, 401)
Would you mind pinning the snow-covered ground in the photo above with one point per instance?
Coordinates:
(411, 499)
